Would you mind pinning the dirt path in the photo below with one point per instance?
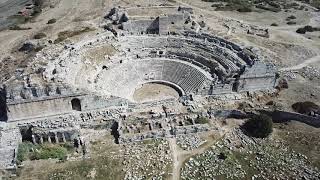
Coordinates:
(180, 155)
(173, 147)
(302, 65)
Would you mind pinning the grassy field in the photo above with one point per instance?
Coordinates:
(102, 164)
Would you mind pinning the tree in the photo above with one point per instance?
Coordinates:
(259, 126)
(305, 107)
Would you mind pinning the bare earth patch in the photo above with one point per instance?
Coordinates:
(152, 92)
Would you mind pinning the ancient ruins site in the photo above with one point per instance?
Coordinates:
(159, 89)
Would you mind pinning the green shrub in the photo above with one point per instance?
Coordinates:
(292, 17)
(291, 23)
(274, 24)
(201, 120)
(38, 2)
(52, 21)
(245, 9)
(309, 28)
(301, 31)
(305, 107)
(36, 11)
(47, 151)
(23, 151)
(259, 126)
(40, 36)
(67, 34)
(16, 27)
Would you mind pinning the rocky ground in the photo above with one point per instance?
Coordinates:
(292, 152)
(150, 159)
(189, 142)
(237, 156)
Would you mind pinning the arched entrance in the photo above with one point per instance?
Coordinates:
(76, 104)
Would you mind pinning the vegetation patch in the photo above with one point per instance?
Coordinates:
(201, 120)
(306, 107)
(259, 126)
(103, 168)
(29, 151)
(19, 28)
(232, 5)
(39, 35)
(302, 139)
(306, 29)
(52, 21)
(68, 34)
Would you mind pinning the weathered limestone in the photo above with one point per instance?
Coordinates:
(171, 49)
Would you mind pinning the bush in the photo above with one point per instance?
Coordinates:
(309, 28)
(259, 126)
(292, 17)
(301, 31)
(16, 27)
(201, 120)
(52, 21)
(305, 107)
(36, 11)
(282, 84)
(23, 151)
(67, 34)
(50, 151)
(274, 24)
(27, 150)
(40, 36)
(291, 23)
(38, 3)
(245, 9)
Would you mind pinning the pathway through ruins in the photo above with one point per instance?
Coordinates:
(303, 64)
(179, 156)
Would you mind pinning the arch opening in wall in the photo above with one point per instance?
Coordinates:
(76, 104)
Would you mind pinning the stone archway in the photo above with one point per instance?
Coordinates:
(76, 104)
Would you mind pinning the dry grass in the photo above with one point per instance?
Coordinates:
(68, 34)
(301, 138)
(97, 55)
(102, 164)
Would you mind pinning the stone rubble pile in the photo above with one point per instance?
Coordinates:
(310, 72)
(149, 159)
(189, 142)
(289, 75)
(238, 156)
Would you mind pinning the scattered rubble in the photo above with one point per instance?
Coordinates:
(189, 142)
(149, 159)
(310, 72)
(249, 158)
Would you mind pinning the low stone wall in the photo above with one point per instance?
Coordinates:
(127, 138)
(60, 106)
(282, 116)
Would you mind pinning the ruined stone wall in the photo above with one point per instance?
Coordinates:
(170, 23)
(162, 133)
(148, 26)
(38, 108)
(160, 25)
(89, 102)
(259, 76)
(256, 83)
(60, 105)
(221, 89)
(287, 116)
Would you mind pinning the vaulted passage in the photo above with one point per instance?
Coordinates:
(76, 104)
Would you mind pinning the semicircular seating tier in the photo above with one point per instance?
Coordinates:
(217, 57)
(122, 80)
